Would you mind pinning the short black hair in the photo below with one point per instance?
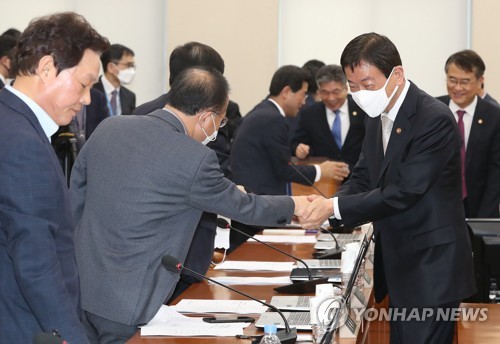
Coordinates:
(288, 75)
(193, 54)
(198, 89)
(375, 49)
(7, 45)
(14, 33)
(312, 66)
(65, 36)
(114, 54)
(468, 61)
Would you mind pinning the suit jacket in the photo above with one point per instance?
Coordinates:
(260, 153)
(127, 97)
(39, 289)
(490, 100)
(2, 85)
(135, 201)
(482, 161)
(313, 129)
(423, 255)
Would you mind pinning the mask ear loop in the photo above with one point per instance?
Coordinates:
(223, 258)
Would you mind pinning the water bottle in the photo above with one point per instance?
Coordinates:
(270, 336)
(493, 290)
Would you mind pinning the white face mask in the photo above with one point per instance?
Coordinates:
(374, 102)
(126, 75)
(210, 138)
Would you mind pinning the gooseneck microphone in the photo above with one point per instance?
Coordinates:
(288, 336)
(294, 288)
(332, 253)
(311, 184)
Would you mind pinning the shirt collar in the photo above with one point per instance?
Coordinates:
(395, 109)
(108, 87)
(3, 79)
(343, 109)
(470, 109)
(48, 125)
(279, 107)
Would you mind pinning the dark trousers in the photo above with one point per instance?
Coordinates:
(424, 329)
(104, 331)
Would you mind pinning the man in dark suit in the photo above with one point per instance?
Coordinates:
(39, 286)
(201, 251)
(118, 65)
(160, 186)
(408, 182)
(260, 154)
(479, 124)
(317, 133)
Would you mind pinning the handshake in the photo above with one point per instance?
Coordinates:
(312, 210)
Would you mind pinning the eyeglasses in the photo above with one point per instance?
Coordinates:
(452, 82)
(223, 122)
(126, 64)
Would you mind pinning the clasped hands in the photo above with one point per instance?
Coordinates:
(312, 210)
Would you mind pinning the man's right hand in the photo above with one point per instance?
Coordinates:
(302, 151)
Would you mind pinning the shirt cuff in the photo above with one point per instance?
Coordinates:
(318, 173)
(336, 212)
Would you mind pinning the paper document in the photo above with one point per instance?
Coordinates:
(284, 232)
(168, 322)
(220, 306)
(254, 266)
(296, 239)
(233, 280)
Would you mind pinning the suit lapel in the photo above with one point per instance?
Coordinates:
(479, 121)
(400, 130)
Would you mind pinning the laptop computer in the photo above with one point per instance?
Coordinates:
(334, 275)
(298, 319)
(326, 245)
(293, 303)
(340, 236)
(320, 264)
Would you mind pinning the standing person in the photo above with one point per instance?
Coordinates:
(138, 200)
(333, 128)
(408, 182)
(119, 69)
(56, 63)
(260, 154)
(479, 125)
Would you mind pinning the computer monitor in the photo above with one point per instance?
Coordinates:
(485, 240)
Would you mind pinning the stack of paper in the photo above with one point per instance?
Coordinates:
(220, 306)
(254, 266)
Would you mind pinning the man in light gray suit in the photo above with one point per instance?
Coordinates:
(138, 189)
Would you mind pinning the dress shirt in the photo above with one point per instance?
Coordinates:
(344, 120)
(108, 89)
(468, 117)
(282, 112)
(47, 123)
(393, 112)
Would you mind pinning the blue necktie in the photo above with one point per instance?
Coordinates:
(336, 129)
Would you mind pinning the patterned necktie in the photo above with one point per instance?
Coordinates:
(460, 114)
(113, 104)
(386, 130)
(336, 129)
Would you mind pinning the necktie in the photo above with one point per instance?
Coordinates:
(386, 130)
(460, 114)
(336, 129)
(112, 102)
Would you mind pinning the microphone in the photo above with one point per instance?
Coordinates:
(294, 288)
(288, 336)
(311, 184)
(332, 253)
(47, 338)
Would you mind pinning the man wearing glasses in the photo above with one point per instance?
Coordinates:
(119, 69)
(479, 125)
(333, 128)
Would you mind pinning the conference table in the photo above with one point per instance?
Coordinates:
(250, 250)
